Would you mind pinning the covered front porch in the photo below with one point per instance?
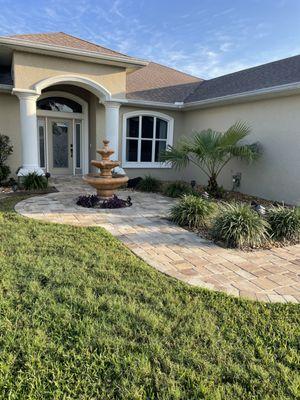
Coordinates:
(62, 122)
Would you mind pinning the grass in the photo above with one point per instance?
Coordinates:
(83, 318)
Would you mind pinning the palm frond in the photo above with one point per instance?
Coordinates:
(176, 156)
(247, 152)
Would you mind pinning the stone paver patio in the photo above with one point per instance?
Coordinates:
(266, 275)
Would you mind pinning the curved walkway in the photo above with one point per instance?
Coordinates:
(266, 275)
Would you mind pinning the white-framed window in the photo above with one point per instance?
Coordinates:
(145, 135)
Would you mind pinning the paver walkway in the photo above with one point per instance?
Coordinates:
(267, 275)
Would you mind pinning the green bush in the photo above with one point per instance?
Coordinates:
(149, 184)
(4, 172)
(177, 189)
(33, 181)
(284, 223)
(192, 211)
(5, 150)
(238, 226)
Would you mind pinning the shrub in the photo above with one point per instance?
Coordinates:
(284, 223)
(33, 181)
(238, 226)
(177, 189)
(192, 211)
(4, 172)
(88, 201)
(149, 184)
(116, 202)
(5, 150)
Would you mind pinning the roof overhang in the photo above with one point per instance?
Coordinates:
(146, 103)
(6, 88)
(259, 94)
(69, 52)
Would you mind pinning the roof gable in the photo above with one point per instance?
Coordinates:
(66, 40)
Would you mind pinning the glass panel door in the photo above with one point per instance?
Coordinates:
(61, 146)
(42, 142)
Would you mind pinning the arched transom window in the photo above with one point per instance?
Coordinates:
(60, 104)
(145, 136)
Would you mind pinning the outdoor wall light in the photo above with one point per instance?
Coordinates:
(236, 180)
(193, 184)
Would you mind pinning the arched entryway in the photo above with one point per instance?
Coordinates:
(37, 136)
(63, 131)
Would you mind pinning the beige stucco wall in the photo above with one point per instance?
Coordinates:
(10, 126)
(276, 125)
(28, 69)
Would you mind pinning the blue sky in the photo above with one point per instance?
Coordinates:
(206, 38)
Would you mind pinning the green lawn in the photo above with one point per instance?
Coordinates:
(83, 318)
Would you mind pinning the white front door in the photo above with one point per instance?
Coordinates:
(60, 146)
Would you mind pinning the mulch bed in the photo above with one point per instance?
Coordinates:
(7, 191)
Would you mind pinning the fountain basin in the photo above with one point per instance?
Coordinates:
(105, 185)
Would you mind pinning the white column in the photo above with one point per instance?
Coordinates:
(29, 136)
(112, 126)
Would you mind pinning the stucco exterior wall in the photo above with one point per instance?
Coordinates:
(10, 126)
(28, 69)
(275, 124)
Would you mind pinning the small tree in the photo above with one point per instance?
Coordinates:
(5, 151)
(210, 151)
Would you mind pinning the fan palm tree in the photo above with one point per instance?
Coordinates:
(211, 151)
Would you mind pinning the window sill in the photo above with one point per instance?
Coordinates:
(145, 165)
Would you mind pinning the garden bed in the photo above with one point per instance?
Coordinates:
(235, 220)
(8, 191)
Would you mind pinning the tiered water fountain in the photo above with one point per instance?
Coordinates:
(105, 182)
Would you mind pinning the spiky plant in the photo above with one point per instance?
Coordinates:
(238, 226)
(284, 223)
(149, 184)
(192, 211)
(33, 181)
(210, 151)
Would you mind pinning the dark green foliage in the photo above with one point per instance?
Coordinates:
(83, 318)
(33, 181)
(192, 211)
(284, 223)
(238, 226)
(5, 151)
(210, 151)
(4, 172)
(177, 189)
(88, 201)
(149, 184)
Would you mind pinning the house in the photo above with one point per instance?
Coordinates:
(60, 96)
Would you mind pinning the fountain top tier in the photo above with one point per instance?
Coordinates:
(105, 165)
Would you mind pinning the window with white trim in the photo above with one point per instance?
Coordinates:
(146, 136)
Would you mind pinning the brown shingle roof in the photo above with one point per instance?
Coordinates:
(66, 40)
(156, 82)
